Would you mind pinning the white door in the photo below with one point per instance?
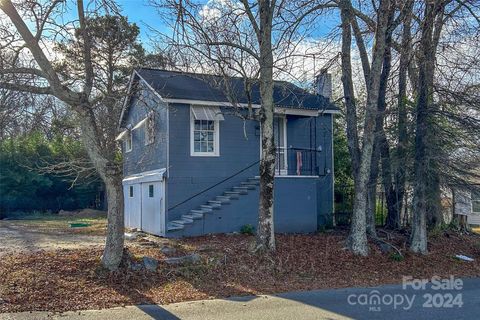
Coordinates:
(132, 196)
(153, 211)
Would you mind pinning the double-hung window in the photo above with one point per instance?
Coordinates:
(128, 141)
(150, 128)
(204, 136)
(205, 131)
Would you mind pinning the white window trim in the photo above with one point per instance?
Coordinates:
(285, 146)
(149, 140)
(129, 137)
(283, 172)
(216, 146)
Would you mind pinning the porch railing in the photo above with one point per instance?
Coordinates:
(297, 162)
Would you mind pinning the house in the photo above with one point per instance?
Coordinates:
(467, 204)
(474, 217)
(191, 154)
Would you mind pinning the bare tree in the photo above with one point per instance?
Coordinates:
(251, 39)
(362, 154)
(87, 81)
(435, 109)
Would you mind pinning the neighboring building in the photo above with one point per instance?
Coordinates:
(467, 204)
(191, 155)
(474, 217)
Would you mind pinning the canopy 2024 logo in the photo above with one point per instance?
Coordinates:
(442, 293)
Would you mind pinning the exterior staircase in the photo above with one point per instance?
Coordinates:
(196, 221)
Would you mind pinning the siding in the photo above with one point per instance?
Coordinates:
(146, 157)
(239, 148)
(289, 217)
(190, 175)
(299, 131)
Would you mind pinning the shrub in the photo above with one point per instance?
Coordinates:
(247, 229)
(395, 256)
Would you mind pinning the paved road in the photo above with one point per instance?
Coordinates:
(320, 304)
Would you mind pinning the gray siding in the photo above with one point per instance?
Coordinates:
(146, 157)
(299, 130)
(290, 217)
(189, 175)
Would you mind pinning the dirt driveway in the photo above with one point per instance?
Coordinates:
(32, 235)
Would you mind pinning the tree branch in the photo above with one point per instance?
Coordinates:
(32, 71)
(25, 88)
(87, 54)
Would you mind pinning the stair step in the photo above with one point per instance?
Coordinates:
(174, 227)
(183, 221)
(232, 194)
(192, 216)
(201, 211)
(197, 211)
(241, 190)
(248, 185)
(209, 207)
(223, 199)
(215, 204)
(254, 181)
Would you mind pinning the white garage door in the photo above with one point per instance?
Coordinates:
(152, 207)
(144, 196)
(133, 200)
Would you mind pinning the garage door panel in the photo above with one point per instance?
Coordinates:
(132, 196)
(152, 197)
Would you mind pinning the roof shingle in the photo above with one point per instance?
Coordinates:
(193, 86)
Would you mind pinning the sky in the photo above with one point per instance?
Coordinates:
(143, 15)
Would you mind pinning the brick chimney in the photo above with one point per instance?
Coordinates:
(323, 84)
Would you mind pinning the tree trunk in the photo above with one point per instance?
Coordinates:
(394, 221)
(112, 254)
(372, 194)
(434, 209)
(422, 154)
(265, 234)
(110, 173)
(357, 240)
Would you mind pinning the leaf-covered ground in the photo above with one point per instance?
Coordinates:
(63, 280)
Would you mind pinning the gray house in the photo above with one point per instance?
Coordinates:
(191, 155)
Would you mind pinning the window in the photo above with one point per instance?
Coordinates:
(150, 191)
(128, 142)
(476, 202)
(150, 128)
(204, 137)
(204, 130)
(131, 191)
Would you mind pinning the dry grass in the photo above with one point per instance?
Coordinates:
(58, 224)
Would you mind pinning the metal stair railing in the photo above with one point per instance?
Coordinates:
(215, 185)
